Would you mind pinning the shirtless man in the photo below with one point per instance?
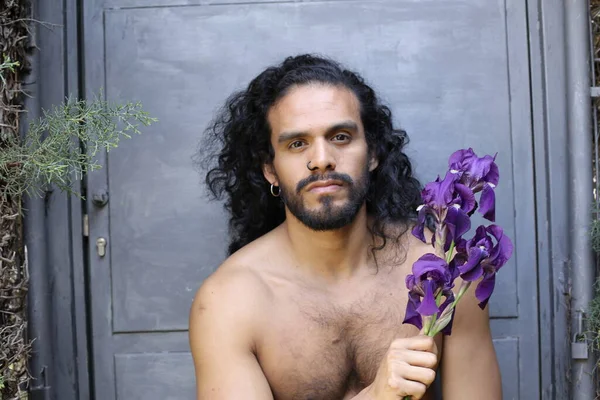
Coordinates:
(310, 303)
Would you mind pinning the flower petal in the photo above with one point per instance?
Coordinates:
(472, 270)
(440, 193)
(487, 205)
(458, 223)
(454, 267)
(474, 171)
(460, 159)
(428, 305)
(493, 176)
(466, 197)
(461, 245)
(457, 157)
(503, 249)
(428, 263)
(410, 281)
(484, 290)
(419, 229)
(412, 316)
(480, 167)
(446, 189)
(480, 238)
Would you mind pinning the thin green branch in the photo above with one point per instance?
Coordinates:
(50, 154)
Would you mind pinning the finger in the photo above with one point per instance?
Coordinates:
(434, 349)
(409, 388)
(425, 376)
(417, 358)
(423, 343)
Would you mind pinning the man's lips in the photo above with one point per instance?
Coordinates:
(325, 186)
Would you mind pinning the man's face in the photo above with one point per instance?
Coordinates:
(320, 125)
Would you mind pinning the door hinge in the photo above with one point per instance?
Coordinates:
(86, 225)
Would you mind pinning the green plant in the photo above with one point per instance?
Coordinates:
(593, 313)
(593, 318)
(51, 152)
(8, 65)
(56, 149)
(595, 230)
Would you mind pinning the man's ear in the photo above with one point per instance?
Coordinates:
(269, 173)
(373, 163)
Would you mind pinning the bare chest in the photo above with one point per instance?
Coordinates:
(313, 348)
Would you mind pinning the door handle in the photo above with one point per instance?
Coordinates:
(100, 198)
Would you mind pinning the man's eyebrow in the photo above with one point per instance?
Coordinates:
(345, 125)
(286, 136)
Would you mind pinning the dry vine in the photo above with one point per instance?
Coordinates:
(14, 349)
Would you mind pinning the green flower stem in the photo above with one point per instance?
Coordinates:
(430, 321)
(429, 327)
(463, 289)
(450, 252)
(438, 299)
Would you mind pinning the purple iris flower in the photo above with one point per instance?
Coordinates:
(480, 174)
(450, 203)
(431, 277)
(483, 256)
(439, 193)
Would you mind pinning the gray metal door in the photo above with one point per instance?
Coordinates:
(456, 73)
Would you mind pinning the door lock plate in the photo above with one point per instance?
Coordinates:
(101, 246)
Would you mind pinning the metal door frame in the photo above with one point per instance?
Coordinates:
(549, 109)
(56, 249)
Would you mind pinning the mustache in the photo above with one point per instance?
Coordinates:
(330, 176)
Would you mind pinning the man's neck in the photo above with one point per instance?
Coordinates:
(331, 254)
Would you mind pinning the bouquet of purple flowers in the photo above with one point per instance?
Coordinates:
(451, 202)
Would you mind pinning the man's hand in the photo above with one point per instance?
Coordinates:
(407, 369)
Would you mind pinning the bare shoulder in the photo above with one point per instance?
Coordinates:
(234, 289)
(225, 323)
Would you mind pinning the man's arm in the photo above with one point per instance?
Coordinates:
(221, 331)
(469, 366)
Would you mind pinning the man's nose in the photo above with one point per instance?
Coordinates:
(322, 157)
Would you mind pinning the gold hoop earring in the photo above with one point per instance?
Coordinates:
(273, 191)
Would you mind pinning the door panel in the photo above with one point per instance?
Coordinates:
(154, 376)
(455, 74)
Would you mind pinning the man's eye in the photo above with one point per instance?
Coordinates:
(295, 145)
(341, 137)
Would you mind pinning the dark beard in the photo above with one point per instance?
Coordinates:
(328, 217)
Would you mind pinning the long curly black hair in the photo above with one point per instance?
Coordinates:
(237, 144)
